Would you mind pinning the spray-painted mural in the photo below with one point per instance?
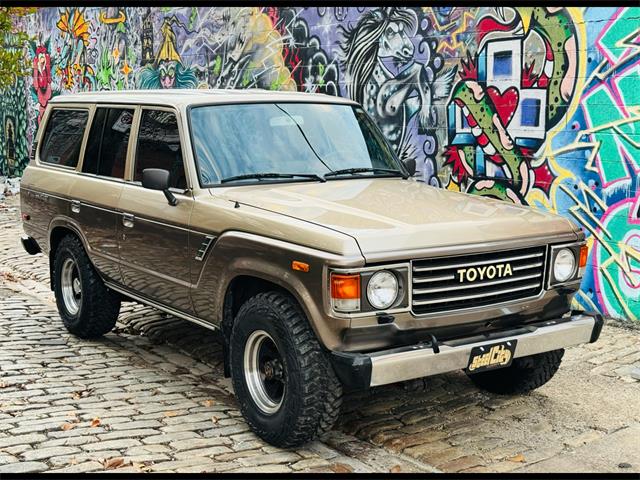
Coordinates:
(532, 105)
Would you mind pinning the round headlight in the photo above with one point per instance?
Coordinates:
(564, 266)
(382, 289)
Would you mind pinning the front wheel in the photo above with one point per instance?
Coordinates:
(287, 390)
(522, 376)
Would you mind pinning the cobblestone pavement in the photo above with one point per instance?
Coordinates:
(151, 396)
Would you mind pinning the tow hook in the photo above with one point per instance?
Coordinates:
(434, 343)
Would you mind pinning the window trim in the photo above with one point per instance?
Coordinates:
(95, 106)
(45, 122)
(129, 178)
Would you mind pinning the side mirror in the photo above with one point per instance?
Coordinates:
(158, 179)
(410, 165)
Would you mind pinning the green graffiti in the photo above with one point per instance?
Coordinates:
(557, 31)
(624, 30)
(105, 73)
(483, 111)
(217, 65)
(13, 127)
(618, 262)
(192, 17)
(613, 131)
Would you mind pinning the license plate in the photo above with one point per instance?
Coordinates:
(490, 357)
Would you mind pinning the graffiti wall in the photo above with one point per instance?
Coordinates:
(531, 105)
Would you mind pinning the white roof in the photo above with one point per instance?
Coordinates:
(184, 97)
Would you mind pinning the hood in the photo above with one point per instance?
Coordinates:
(391, 214)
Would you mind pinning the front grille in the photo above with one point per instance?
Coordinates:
(440, 284)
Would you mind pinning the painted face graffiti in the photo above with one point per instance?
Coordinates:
(396, 94)
(167, 71)
(395, 42)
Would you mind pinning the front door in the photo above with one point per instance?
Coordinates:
(154, 236)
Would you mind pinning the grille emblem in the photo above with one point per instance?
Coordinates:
(471, 274)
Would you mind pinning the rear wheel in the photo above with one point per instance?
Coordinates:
(522, 376)
(287, 390)
(87, 307)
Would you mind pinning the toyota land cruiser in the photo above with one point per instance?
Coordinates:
(286, 222)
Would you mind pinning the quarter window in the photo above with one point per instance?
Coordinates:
(106, 152)
(159, 147)
(63, 137)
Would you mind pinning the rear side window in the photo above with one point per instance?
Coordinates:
(106, 152)
(159, 147)
(63, 137)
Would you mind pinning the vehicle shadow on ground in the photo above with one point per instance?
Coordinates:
(445, 407)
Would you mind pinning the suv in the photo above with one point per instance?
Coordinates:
(286, 222)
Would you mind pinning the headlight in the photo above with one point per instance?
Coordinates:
(564, 265)
(382, 289)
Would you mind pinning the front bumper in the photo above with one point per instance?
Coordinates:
(360, 371)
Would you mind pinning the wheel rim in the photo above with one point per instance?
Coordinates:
(264, 372)
(71, 286)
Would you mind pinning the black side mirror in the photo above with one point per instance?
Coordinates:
(410, 165)
(158, 179)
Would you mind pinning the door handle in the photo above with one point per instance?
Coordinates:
(128, 220)
(75, 206)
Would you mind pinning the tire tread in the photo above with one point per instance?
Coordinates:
(321, 398)
(100, 306)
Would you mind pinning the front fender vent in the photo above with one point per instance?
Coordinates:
(204, 247)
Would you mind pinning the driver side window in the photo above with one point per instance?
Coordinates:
(159, 147)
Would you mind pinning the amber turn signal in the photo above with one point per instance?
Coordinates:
(584, 253)
(345, 292)
(299, 266)
(345, 287)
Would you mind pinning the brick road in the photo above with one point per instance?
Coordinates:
(151, 396)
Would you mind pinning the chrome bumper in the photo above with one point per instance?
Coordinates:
(423, 360)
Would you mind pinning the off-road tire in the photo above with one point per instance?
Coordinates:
(311, 404)
(99, 306)
(522, 376)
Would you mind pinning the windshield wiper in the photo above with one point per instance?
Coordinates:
(260, 176)
(346, 171)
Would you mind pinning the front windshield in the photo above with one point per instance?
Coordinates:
(286, 138)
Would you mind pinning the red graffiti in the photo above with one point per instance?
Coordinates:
(529, 78)
(469, 68)
(490, 24)
(505, 103)
(42, 78)
(461, 170)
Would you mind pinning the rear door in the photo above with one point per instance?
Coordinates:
(96, 191)
(47, 180)
(154, 239)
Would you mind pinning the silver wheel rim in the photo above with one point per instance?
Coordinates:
(71, 286)
(264, 372)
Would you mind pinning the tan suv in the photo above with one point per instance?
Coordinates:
(286, 221)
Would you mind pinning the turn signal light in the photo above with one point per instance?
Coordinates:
(299, 266)
(345, 292)
(584, 253)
